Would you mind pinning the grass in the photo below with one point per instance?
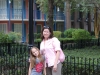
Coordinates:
(88, 52)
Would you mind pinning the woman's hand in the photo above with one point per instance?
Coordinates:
(55, 67)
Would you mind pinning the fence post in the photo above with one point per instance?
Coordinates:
(62, 45)
(9, 50)
(98, 42)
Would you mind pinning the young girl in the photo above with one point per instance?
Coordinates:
(36, 62)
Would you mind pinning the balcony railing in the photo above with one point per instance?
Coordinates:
(37, 15)
(3, 13)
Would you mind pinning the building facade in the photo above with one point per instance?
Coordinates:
(14, 16)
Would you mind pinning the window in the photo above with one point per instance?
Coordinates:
(38, 12)
(18, 28)
(17, 4)
(3, 9)
(60, 26)
(38, 28)
(3, 27)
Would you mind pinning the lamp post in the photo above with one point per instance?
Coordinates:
(45, 19)
(65, 17)
(55, 18)
(9, 15)
(31, 36)
(23, 38)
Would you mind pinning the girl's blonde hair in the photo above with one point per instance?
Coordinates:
(33, 58)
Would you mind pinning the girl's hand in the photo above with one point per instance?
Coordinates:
(42, 52)
(44, 72)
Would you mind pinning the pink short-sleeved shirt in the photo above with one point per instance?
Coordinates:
(48, 49)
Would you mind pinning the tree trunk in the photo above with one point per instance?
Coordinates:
(76, 24)
(96, 23)
(68, 15)
(89, 22)
(50, 13)
(82, 20)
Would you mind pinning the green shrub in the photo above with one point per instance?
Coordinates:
(3, 37)
(68, 32)
(62, 35)
(80, 34)
(57, 34)
(14, 37)
(92, 33)
(37, 35)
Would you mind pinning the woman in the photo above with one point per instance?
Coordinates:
(36, 62)
(50, 48)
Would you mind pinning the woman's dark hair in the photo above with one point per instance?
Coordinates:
(50, 30)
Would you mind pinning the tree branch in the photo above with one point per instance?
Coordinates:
(55, 3)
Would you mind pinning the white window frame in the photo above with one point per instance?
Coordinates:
(38, 25)
(17, 4)
(3, 27)
(3, 8)
(18, 27)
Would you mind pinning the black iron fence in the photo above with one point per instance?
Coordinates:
(14, 61)
(72, 44)
(81, 66)
(80, 44)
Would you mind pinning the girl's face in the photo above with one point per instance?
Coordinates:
(46, 33)
(35, 52)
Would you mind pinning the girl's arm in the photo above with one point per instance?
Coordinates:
(44, 72)
(29, 72)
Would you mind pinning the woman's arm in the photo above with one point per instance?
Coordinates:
(56, 60)
(44, 70)
(57, 48)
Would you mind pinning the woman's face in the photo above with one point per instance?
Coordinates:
(46, 33)
(35, 52)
